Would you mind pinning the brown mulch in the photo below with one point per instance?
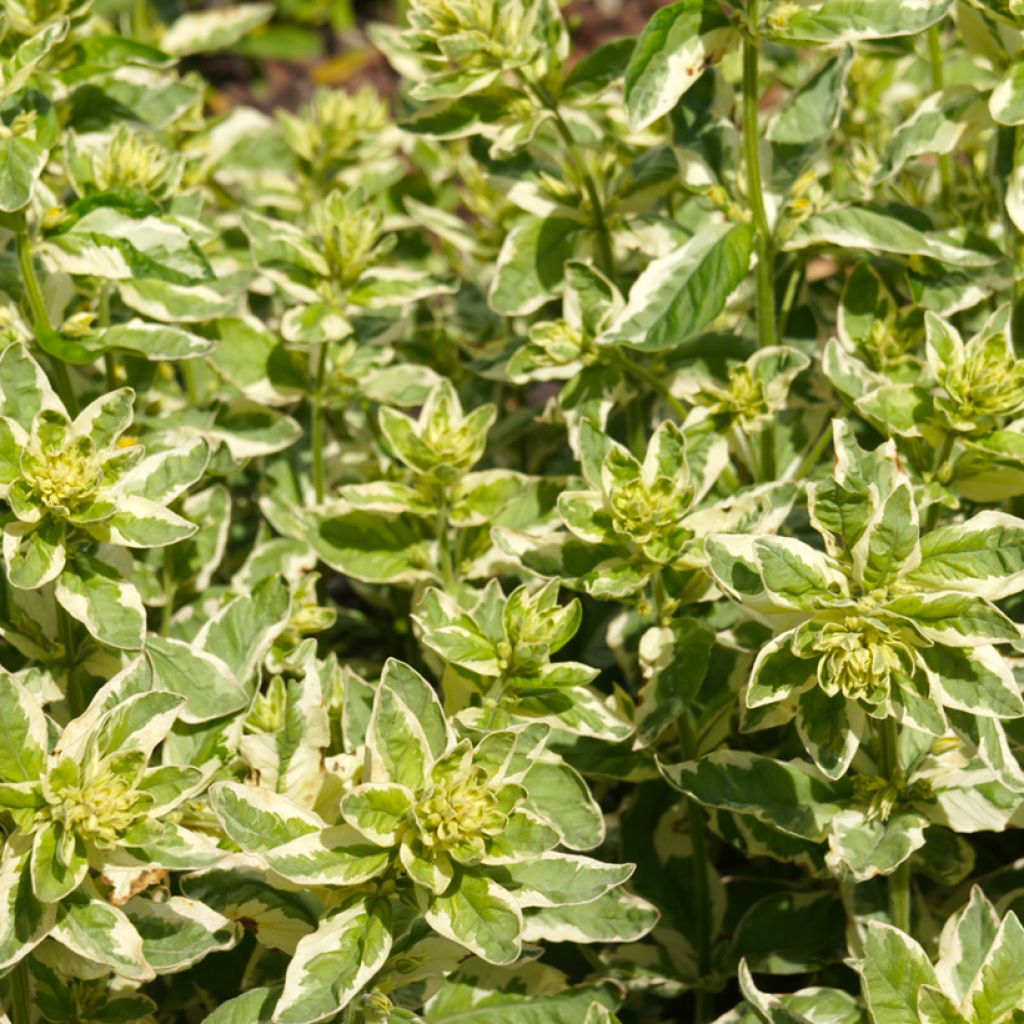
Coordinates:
(350, 61)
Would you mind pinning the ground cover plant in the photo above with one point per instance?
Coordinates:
(538, 548)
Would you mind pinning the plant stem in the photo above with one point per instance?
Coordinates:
(636, 429)
(814, 455)
(317, 433)
(605, 256)
(641, 373)
(939, 83)
(74, 695)
(167, 612)
(765, 276)
(766, 335)
(41, 318)
(701, 893)
(21, 993)
(887, 731)
(941, 458)
(444, 550)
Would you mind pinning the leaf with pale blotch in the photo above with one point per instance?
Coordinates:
(24, 741)
(258, 820)
(966, 938)
(978, 681)
(982, 556)
(103, 934)
(998, 987)
(408, 731)
(787, 795)
(179, 932)
(768, 1008)
(109, 606)
(679, 295)
(671, 54)
(559, 796)
(894, 969)
(378, 810)
(830, 729)
(480, 915)
(34, 555)
(617, 916)
(559, 879)
(207, 31)
(242, 891)
(331, 966)
(25, 920)
(833, 22)
(336, 856)
(862, 848)
(209, 687)
(674, 662)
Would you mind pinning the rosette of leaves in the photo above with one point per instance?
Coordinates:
(642, 520)
(76, 491)
(976, 979)
(437, 526)
(86, 816)
(459, 835)
(889, 621)
(498, 661)
(336, 269)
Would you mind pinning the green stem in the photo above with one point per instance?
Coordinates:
(887, 731)
(635, 428)
(170, 589)
(701, 893)
(74, 695)
(766, 334)
(41, 318)
(21, 993)
(812, 458)
(941, 458)
(317, 434)
(641, 373)
(444, 551)
(605, 255)
(938, 84)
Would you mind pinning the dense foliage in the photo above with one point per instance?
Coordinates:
(538, 551)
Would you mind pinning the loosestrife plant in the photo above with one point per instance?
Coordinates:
(545, 543)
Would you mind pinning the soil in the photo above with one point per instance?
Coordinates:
(350, 61)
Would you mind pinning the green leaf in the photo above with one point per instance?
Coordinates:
(859, 228)
(480, 915)
(21, 162)
(373, 547)
(862, 849)
(617, 916)
(102, 934)
(784, 794)
(674, 662)
(966, 939)
(108, 606)
(670, 56)
(894, 970)
(846, 21)
(983, 556)
(207, 684)
(531, 264)
(24, 741)
(829, 730)
(258, 820)
(679, 295)
(208, 31)
(179, 932)
(331, 966)
(998, 988)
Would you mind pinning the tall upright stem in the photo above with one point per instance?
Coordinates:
(765, 273)
(21, 993)
(766, 334)
(74, 695)
(41, 318)
(317, 433)
(605, 255)
(701, 894)
(887, 731)
(938, 84)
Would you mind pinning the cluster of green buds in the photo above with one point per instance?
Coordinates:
(982, 380)
(351, 230)
(126, 159)
(335, 129)
(442, 443)
(888, 622)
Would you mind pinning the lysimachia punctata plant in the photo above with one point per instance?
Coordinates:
(541, 543)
